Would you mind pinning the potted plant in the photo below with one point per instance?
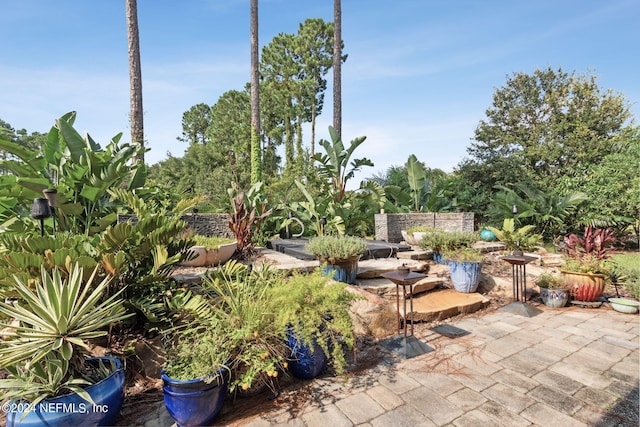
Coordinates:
(196, 377)
(339, 255)
(587, 267)
(47, 352)
(515, 239)
(414, 235)
(315, 310)
(553, 290)
(465, 266)
(210, 251)
(443, 241)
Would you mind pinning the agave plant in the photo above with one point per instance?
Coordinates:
(46, 351)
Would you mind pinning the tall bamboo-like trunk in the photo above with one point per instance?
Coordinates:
(135, 76)
(337, 66)
(256, 152)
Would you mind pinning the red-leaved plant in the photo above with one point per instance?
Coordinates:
(596, 243)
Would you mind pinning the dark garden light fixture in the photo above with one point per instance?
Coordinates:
(51, 194)
(40, 210)
(514, 211)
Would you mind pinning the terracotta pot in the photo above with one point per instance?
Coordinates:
(587, 287)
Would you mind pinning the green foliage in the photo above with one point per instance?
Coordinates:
(550, 281)
(46, 352)
(589, 264)
(417, 180)
(464, 254)
(336, 247)
(523, 238)
(81, 172)
(241, 318)
(211, 242)
(334, 164)
(422, 229)
(546, 125)
(24, 256)
(627, 270)
(441, 241)
(547, 211)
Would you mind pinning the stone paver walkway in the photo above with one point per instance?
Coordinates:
(563, 367)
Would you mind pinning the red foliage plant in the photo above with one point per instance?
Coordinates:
(595, 243)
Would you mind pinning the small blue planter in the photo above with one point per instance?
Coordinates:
(194, 402)
(465, 276)
(438, 258)
(304, 363)
(72, 410)
(344, 271)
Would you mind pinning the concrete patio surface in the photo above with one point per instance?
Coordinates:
(564, 367)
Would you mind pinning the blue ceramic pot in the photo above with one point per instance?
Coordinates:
(438, 258)
(304, 363)
(72, 410)
(194, 402)
(465, 276)
(342, 270)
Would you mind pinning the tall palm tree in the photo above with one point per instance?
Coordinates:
(337, 66)
(135, 77)
(256, 155)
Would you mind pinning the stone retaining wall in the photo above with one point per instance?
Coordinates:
(206, 224)
(389, 226)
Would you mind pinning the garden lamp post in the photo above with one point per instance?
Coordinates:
(514, 211)
(40, 210)
(51, 194)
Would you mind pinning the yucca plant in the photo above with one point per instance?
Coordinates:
(46, 351)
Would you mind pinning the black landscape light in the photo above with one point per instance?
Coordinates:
(40, 210)
(51, 194)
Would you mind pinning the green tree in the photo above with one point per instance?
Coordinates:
(195, 123)
(542, 127)
(612, 187)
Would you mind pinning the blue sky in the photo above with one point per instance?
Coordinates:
(419, 77)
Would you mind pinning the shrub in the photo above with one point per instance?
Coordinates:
(336, 247)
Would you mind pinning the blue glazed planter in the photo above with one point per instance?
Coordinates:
(72, 410)
(465, 276)
(438, 258)
(194, 402)
(342, 270)
(304, 363)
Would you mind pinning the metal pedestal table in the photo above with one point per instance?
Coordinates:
(406, 345)
(519, 273)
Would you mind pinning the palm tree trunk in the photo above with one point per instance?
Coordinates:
(337, 66)
(256, 153)
(135, 76)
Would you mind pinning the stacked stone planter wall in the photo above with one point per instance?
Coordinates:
(208, 224)
(389, 226)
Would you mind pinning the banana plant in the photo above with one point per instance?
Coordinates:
(335, 166)
(79, 169)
